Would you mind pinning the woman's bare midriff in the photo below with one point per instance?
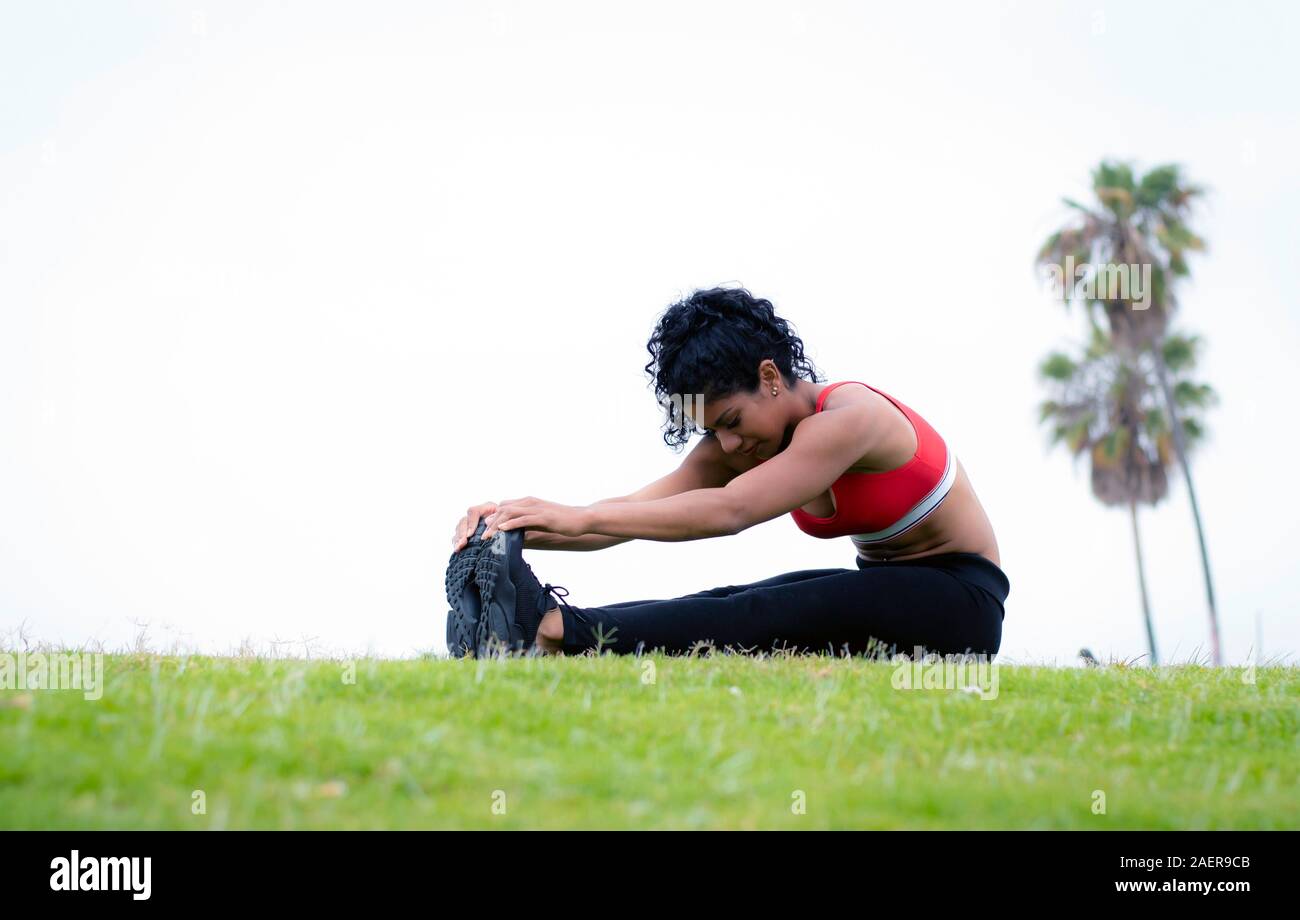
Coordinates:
(958, 525)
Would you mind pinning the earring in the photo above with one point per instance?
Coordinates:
(773, 391)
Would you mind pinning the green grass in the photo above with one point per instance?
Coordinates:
(720, 741)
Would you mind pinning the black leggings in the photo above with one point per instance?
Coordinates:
(947, 604)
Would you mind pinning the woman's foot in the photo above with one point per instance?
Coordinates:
(464, 619)
(515, 602)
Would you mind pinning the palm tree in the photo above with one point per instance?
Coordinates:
(1104, 403)
(1137, 222)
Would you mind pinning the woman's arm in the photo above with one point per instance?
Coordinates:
(693, 515)
(540, 539)
(702, 468)
(823, 447)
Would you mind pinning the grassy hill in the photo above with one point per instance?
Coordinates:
(719, 741)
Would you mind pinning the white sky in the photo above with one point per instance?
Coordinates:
(285, 287)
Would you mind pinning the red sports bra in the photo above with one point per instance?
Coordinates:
(875, 507)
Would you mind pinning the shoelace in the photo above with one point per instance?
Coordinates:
(555, 591)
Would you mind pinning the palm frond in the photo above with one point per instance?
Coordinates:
(1057, 366)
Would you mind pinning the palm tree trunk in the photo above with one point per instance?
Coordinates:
(1179, 446)
(1142, 583)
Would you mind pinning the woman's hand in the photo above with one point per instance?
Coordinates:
(469, 523)
(536, 514)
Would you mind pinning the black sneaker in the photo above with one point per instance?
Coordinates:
(465, 625)
(513, 600)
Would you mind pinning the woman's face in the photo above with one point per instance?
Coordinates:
(747, 423)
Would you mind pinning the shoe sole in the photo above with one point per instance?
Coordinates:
(465, 618)
(497, 592)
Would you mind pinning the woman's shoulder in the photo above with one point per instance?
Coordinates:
(854, 393)
(895, 439)
(843, 392)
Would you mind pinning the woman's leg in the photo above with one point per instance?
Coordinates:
(726, 590)
(876, 609)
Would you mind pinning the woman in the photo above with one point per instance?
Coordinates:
(843, 460)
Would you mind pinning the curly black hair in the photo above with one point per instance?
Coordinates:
(711, 343)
